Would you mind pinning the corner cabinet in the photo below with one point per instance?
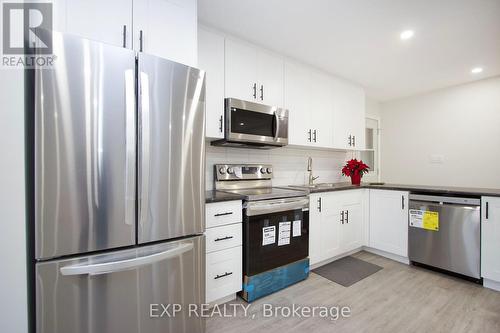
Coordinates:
(336, 224)
(211, 59)
(253, 74)
(490, 241)
(389, 221)
(165, 28)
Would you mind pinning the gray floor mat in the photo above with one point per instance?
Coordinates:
(347, 271)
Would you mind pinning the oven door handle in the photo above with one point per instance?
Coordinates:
(276, 126)
(254, 208)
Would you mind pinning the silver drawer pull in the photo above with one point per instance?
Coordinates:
(223, 275)
(223, 214)
(223, 238)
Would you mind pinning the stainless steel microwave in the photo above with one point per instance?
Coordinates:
(253, 125)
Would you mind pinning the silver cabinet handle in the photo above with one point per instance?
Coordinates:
(347, 216)
(140, 40)
(130, 143)
(354, 141)
(261, 92)
(342, 217)
(350, 140)
(320, 208)
(487, 213)
(124, 36)
(276, 126)
(255, 91)
(220, 123)
(314, 135)
(403, 202)
(309, 135)
(144, 146)
(123, 265)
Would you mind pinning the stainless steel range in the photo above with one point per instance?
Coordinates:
(275, 226)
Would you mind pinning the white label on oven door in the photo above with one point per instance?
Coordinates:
(297, 228)
(284, 233)
(268, 235)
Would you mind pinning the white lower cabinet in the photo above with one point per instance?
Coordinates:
(490, 241)
(389, 221)
(224, 251)
(336, 224)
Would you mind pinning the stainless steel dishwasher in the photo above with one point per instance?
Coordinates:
(445, 232)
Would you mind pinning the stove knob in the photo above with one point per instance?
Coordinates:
(222, 170)
(262, 170)
(230, 170)
(269, 170)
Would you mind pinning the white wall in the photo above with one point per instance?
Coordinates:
(13, 285)
(448, 137)
(289, 164)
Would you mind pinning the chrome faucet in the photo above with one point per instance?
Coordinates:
(310, 169)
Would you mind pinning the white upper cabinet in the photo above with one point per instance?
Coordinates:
(166, 28)
(297, 98)
(349, 115)
(241, 71)
(211, 59)
(270, 78)
(490, 238)
(309, 103)
(389, 221)
(106, 21)
(252, 74)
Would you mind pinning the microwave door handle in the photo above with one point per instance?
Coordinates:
(276, 126)
(127, 264)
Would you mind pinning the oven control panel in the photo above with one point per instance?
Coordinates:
(243, 171)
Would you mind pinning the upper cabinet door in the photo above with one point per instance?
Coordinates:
(211, 59)
(349, 115)
(241, 71)
(270, 79)
(297, 96)
(166, 28)
(105, 21)
(321, 110)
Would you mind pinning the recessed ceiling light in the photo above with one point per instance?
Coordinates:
(476, 70)
(407, 34)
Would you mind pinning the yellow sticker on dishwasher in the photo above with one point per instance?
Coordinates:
(431, 221)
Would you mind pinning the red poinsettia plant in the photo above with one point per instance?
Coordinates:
(355, 169)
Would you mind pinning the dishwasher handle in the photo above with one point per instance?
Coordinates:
(445, 199)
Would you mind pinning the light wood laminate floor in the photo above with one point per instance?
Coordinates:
(398, 298)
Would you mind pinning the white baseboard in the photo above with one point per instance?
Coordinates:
(395, 257)
(223, 300)
(490, 284)
(327, 261)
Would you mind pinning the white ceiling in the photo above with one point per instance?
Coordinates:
(359, 39)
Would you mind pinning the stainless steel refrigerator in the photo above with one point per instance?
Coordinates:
(118, 191)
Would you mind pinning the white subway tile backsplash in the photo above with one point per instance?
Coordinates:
(289, 164)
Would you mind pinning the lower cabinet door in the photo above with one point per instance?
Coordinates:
(352, 227)
(224, 273)
(330, 227)
(123, 291)
(490, 238)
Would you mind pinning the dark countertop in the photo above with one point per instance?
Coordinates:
(217, 196)
(467, 191)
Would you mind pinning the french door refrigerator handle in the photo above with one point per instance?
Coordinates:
(130, 146)
(144, 158)
(122, 265)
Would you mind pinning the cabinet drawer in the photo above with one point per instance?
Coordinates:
(223, 273)
(222, 213)
(224, 237)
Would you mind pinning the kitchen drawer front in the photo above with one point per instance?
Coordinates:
(224, 237)
(223, 273)
(222, 213)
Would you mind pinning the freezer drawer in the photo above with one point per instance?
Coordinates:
(84, 149)
(171, 149)
(113, 292)
(456, 245)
